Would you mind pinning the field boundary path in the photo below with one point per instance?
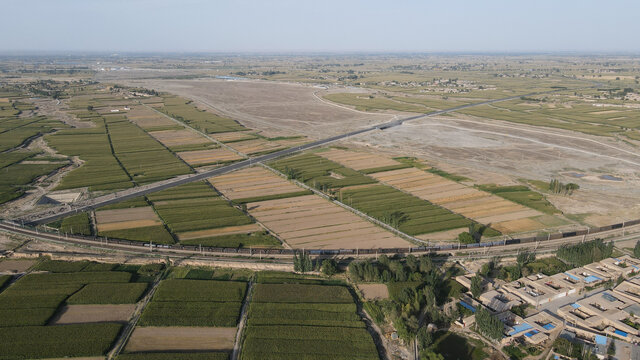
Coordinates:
(121, 342)
(235, 354)
(59, 212)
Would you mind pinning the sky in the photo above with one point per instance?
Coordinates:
(320, 26)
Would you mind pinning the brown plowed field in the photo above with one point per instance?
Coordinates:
(15, 266)
(77, 314)
(357, 160)
(118, 219)
(312, 222)
(181, 338)
(256, 146)
(179, 137)
(220, 231)
(252, 182)
(208, 156)
(233, 136)
(374, 291)
(478, 205)
(147, 118)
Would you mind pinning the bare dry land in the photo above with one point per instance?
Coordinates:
(179, 137)
(15, 265)
(374, 291)
(200, 157)
(147, 118)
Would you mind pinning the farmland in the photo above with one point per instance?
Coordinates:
(361, 161)
(312, 222)
(204, 121)
(255, 184)
(319, 172)
(181, 302)
(293, 321)
(472, 203)
(405, 212)
(33, 306)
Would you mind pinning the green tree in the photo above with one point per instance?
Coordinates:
(329, 267)
(636, 250)
(466, 238)
(476, 286)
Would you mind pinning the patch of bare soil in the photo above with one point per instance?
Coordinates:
(15, 265)
(374, 291)
(282, 108)
(181, 338)
(78, 314)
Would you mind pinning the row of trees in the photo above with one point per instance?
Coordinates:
(585, 253)
(488, 325)
(302, 263)
(388, 270)
(556, 187)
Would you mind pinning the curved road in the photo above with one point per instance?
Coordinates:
(66, 210)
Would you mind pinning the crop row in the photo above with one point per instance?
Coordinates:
(318, 171)
(205, 121)
(301, 293)
(201, 313)
(126, 293)
(175, 356)
(408, 213)
(30, 342)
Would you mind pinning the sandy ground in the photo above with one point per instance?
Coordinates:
(374, 291)
(181, 338)
(178, 137)
(15, 266)
(283, 108)
(77, 314)
(208, 156)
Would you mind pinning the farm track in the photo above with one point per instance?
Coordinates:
(63, 211)
(237, 347)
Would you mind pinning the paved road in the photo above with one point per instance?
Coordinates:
(65, 210)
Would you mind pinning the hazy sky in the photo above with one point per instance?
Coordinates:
(320, 25)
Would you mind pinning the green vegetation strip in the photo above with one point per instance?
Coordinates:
(522, 195)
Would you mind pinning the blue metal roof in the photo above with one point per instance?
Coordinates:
(531, 333)
(549, 326)
(591, 278)
(621, 333)
(601, 340)
(572, 276)
(468, 306)
(575, 305)
(520, 328)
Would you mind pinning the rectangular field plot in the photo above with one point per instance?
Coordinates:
(407, 213)
(78, 340)
(233, 136)
(148, 119)
(254, 183)
(205, 121)
(314, 223)
(80, 314)
(256, 146)
(176, 138)
(194, 207)
(319, 172)
(209, 157)
(358, 160)
(180, 302)
(137, 224)
(293, 321)
(181, 338)
(472, 203)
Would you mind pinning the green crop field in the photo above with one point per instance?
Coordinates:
(303, 321)
(522, 195)
(156, 234)
(413, 215)
(183, 302)
(364, 102)
(197, 206)
(205, 121)
(77, 224)
(127, 293)
(16, 130)
(28, 342)
(15, 178)
(61, 266)
(319, 172)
